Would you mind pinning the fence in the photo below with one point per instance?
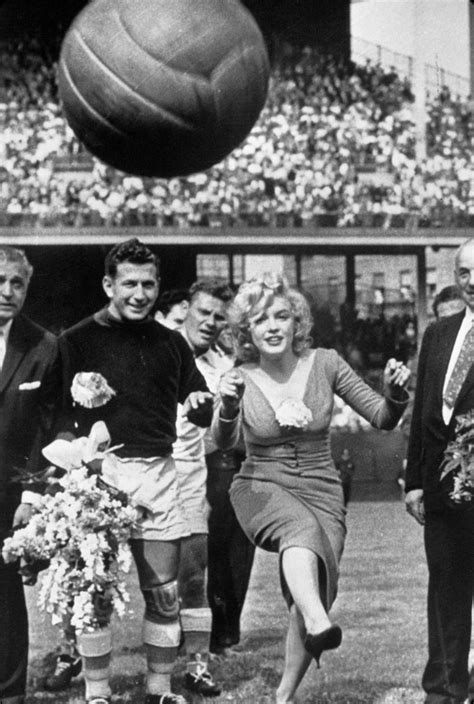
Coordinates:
(435, 76)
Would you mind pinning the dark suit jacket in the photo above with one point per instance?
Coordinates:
(29, 395)
(428, 433)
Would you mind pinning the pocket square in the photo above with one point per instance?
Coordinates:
(29, 385)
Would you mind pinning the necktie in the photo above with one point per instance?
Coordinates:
(3, 347)
(461, 369)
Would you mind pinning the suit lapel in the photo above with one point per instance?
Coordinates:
(17, 347)
(447, 331)
(447, 338)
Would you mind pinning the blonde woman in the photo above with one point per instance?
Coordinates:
(288, 495)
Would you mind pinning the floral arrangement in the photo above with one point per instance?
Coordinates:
(293, 414)
(457, 468)
(80, 529)
(91, 390)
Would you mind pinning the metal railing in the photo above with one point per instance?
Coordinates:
(363, 50)
(435, 76)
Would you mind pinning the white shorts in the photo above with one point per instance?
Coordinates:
(192, 477)
(151, 484)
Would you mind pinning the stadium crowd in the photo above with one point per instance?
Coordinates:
(334, 145)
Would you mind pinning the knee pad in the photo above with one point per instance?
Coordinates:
(161, 602)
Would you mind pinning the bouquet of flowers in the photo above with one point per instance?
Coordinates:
(292, 414)
(81, 530)
(457, 468)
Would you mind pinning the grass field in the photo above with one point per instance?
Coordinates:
(381, 608)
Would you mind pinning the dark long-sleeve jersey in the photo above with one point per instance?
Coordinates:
(150, 368)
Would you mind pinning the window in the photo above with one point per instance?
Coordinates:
(213, 266)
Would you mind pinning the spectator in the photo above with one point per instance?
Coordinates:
(172, 308)
(448, 302)
(346, 469)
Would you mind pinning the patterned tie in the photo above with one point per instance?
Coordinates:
(461, 369)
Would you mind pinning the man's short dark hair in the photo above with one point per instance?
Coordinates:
(170, 298)
(132, 251)
(216, 289)
(448, 293)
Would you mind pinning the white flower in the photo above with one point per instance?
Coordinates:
(83, 532)
(91, 390)
(293, 413)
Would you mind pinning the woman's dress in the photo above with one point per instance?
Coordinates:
(288, 492)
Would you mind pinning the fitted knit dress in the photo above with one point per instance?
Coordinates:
(288, 492)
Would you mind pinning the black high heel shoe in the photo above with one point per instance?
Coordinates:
(329, 639)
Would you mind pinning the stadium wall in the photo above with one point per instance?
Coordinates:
(69, 262)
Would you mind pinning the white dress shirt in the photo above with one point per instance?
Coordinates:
(466, 324)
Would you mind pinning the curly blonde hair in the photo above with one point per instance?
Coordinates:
(257, 295)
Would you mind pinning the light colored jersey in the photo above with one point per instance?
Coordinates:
(193, 443)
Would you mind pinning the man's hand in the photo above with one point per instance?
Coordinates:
(198, 408)
(231, 390)
(22, 515)
(415, 505)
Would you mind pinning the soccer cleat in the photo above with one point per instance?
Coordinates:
(66, 668)
(167, 698)
(201, 683)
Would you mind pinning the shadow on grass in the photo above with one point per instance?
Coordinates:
(263, 638)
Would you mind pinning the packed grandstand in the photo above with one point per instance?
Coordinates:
(334, 146)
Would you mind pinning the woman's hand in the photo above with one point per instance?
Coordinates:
(395, 379)
(231, 390)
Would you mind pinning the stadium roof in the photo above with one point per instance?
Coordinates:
(343, 240)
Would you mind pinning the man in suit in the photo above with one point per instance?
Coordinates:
(449, 534)
(29, 391)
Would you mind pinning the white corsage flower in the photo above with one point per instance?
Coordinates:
(91, 390)
(292, 413)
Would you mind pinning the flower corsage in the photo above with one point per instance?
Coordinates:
(91, 390)
(292, 414)
(457, 468)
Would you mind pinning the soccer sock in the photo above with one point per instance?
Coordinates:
(161, 642)
(95, 649)
(196, 625)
